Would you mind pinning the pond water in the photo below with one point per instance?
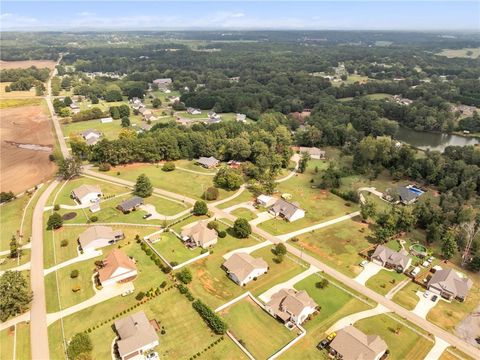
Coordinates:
(433, 141)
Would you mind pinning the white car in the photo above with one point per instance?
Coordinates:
(152, 356)
(426, 264)
(426, 294)
(364, 263)
(415, 271)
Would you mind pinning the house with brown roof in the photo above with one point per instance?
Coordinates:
(99, 236)
(243, 268)
(314, 152)
(287, 210)
(162, 84)
(352, 344)
(136, 336)
(449, 284)
(117, 267)
(391, 259)
(289, 305)
(199, 235)
(207, 162)
(86, 194)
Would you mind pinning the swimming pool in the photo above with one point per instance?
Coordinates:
(415, 190)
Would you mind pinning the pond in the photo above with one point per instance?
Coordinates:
(432, 141)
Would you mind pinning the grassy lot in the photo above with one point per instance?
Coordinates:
(334, 304)
(319, 205)
(109, 130)
(461, 53)
(378, 96)
(190, 165)
(174, 250)
(10, 219)
(384, 281)
(338, 245)
(192, 185)
(243, 197)
(407, 297)
(16, 95)
(8, 103)
(447, 355)
(261, 333)
(244, 213)
(11, 263)
(406, 344)
(22, 346)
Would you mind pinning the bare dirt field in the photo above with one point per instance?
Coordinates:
(26, 64)
(23, 166)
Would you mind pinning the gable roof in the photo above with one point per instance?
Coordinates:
(314, 151)
(116, 259)
(290, 301)
(285, 208)
(449, 280)
(387, 255)
(135, 332)
(353, 344)
(97, 232)
(405, 194)
(207, 161)
(91, 132)
(86, 189)
(241, 265)
(200, 233)
(130, 203)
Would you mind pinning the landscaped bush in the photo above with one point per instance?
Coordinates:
(168, 166)
(213, 225)
(56, 207)
(94, 218)
(211, 194)
(64, 243)
(148, 252)
(200, 208)
(55, 221)
(222, 234)
(79, 347)
(185, 276)
(349, 195)
(104, 167)
(163, 284)
(74, 274)
(242, 228)
(322, 284)
(182, 288)
(213, 320)
(140, 296)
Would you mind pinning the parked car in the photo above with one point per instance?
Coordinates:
(430, 259)
(363, 263)
(152, 356)
(331, 336)
(426, 294)
(323, 344)
(426, 264)
(434, 298)
(415, 271)
(146, 216)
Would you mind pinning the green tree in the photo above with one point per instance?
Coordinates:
(367, 210)
(302, 164)
(280, 249)
(242, 228)
(156, 103)
(55, 221)
(143, 186)
(15, 295)
(229, 179)
(14, 247)
(185, 276)
(114, 112)
(80, 344)
(474, 264)
(125, 121)
(449, 245)
(69, 167)
(211, 193)
(67, 101)
(200, 208)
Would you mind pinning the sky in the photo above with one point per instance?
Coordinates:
(245, 15)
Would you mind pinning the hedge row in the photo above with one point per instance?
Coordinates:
(198, 354)
(213, 320)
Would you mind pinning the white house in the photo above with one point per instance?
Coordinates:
(243, 268)
(290, 305)
(86, 194)
(241, 118)
(199, 235)
(288, 211)
(117, 267)
(99, 236)
(194, 111)
(106, 120)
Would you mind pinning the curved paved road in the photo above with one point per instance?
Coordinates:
(38, 312)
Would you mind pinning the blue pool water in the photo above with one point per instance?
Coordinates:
(416, 191)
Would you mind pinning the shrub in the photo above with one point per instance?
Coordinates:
(322, 284)
(211, 194)
(148, 252)
(74, 274)
(222, 234)
(94, 218)
(213, 225)
(182, 288)
(140, 296)
(76, 288)
(242, 228)
(280, 249)
(168, 166)
(55, 221)
(104, 167)
(163, 284)
(213, 320)
(79, 345)
(200, 208)
(56, 207)
(185, 276)
(349, 195)
(64, 243)
(278, 259)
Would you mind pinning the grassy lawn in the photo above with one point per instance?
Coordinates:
(447, 355)
(11, 263)
(190, 165)
(244, 213)
(22, 346)
(319, 205)
(461, 53)
(109, 130)
(378, 96)
(243, 197)
(174, 250)
(384, 281)
(334, 304)
(10, 219)
(407, 297)
(177, 181)
(405, 345)
(165, 206)
(338, 245)
(261, 333)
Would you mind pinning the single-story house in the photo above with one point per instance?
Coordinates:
(398, 260)
(287, 210)
(199, 235)
(86, 194)
(233, 164)
(162, 84)
(241, 118)
(352, 344)
(136, 336)
(75, 108)
(314, 152)
(243, 268)
(149, 117)
(407, 196)
(130, 204)
(194, 111)
(290, 305)
(401, 100)
(91, 136)
(143, 110)
(448, 284)
(208, 162)
(117, 268)
(265, 200)
(106, 120)
(99, 236)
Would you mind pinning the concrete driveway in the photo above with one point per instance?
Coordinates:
(353, 318)
(369, 270)
(261, 217)
(425, 304)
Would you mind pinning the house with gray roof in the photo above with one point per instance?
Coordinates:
(199, 234)
(136, 336)
(314, 152)
(162, 84)
(243, 268)
(87, 194)
(353, 344)
(99, 236)
(91, 136)
(130, 204)
(207, 162)
(391, 259)
(449, 284)
(289, 305)
(407, 197)
(287, 210)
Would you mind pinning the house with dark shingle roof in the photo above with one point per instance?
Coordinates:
(407, 196)
(287, 210)
(448, 284)
(207, 162)
(130, 204)
(398, 260)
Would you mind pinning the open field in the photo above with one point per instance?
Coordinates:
(471, 53)
(243, 197)
(404, 344)
(24, 168)
(10, 219)
(338, 245)
(384, 281)
(24, 64)
(10, 103)
(16, 95)
(244, 213)
(7, 342)
(334, 304)
(109, 130)
(177, 181)
(172, 249)
(407, 296)
(261, 334)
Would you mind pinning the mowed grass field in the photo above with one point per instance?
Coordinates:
(407, 296)
(21, 343)
(261, 334)
(404, 344)
(471, 53)
(384, 281)
(172, 249)
(338, 245)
